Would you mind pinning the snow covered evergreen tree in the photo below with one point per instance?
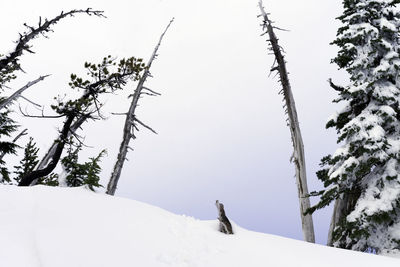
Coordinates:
(365, 170)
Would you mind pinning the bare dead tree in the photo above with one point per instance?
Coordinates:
(225, 225)
(131, 120)
(293, 123)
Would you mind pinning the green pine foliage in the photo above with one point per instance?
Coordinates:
(7, 127)
(49, 180)
(28, 162)
(7, 74)
(367, 164)
(78, 174)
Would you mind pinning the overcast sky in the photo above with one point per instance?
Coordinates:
(220, 122)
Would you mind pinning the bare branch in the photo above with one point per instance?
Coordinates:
(30, 101)
(151, 91)
(25, 114)
(145, 126)
(18, 93)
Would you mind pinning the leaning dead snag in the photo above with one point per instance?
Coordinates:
(224, 223)
(132, 122)
(293, 123)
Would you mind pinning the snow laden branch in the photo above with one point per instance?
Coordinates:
(18, 93)
(131, 121)
(297, 141)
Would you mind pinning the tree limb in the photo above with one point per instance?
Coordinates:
(22, 43)
(18, 93)
(335, 87)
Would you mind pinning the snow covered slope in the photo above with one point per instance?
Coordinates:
(57, 227)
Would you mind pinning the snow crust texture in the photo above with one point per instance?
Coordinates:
(73, 227)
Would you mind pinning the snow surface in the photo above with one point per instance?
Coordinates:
(57, 227)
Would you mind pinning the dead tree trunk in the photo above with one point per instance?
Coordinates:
(224, 223)
(131, 121)
(298, 153)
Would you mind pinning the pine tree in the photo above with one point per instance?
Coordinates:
(49, 180)
(28, 162)
(86, 174)
(366, 167)
(7, 127)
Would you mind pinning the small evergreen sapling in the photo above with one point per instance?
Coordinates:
(86, 174)
(7, 127)
(28, 162)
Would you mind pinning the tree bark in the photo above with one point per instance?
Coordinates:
(52, 150)
(344, 205)
(129, 126)
(297, 141)
(225, 225)
(27, 179)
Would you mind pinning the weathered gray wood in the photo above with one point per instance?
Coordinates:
(224, 223)
(297, 141)
(130, 120)
(18, 93)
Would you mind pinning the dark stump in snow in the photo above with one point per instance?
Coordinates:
(224, 223)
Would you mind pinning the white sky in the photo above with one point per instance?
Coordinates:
(222, 132)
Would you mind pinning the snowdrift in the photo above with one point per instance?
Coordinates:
(71, 227)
